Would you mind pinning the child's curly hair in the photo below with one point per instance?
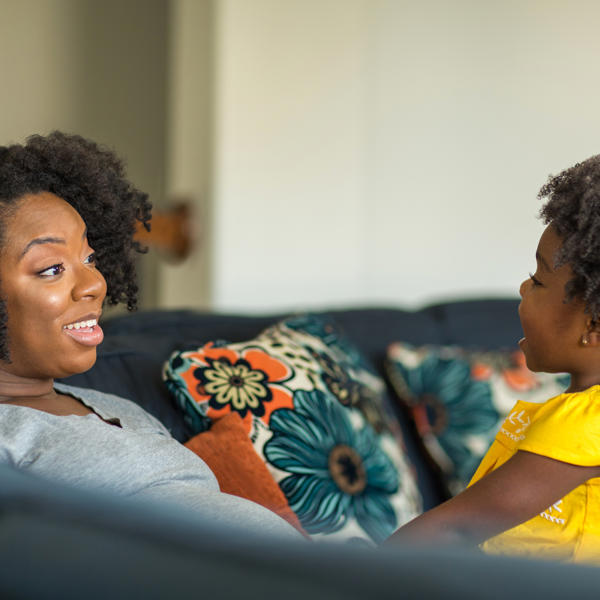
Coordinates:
(573, 208)
(91, 179)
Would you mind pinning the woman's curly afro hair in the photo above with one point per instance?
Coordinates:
(573, 209)
(92, 180)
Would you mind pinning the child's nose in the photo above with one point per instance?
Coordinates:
(522, 288)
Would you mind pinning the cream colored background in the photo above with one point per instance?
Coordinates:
(94, 68)
(338, 152)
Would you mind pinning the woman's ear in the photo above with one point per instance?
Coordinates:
(591, 337)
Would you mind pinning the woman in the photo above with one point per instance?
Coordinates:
(67, 218)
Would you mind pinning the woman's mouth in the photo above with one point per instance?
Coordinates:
(86, 332)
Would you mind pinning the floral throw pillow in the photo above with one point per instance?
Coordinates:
(458, 399)
(315, 413)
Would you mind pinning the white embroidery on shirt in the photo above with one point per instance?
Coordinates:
(512, 436)
(548, 516)
(517, 418)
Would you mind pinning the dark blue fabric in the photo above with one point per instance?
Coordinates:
(484, 324)
(61, 542)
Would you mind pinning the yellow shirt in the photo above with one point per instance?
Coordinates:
(566, 428)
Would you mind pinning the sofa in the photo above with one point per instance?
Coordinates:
(60, 541)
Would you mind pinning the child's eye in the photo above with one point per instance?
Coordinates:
(534, 279)
(91, 259)
(52, 271)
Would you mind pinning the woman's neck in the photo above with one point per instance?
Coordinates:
(13, 387)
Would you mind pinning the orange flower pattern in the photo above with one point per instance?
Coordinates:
(249, 382)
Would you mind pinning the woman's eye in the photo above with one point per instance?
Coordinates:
(91, 259)
(534, 279)
(52, 271)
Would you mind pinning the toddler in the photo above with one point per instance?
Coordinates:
(537, 490)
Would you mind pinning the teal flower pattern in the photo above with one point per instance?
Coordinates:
(453, 405)
(337, 472)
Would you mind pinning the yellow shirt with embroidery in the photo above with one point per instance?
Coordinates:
(566, 428)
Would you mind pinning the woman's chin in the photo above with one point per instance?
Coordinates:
(82, 364)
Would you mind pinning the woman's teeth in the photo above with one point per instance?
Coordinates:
(82, 324)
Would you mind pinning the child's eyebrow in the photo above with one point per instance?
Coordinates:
(542, 261)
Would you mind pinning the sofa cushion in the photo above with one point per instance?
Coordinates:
(458, 399)
(227, 450)
(315, 412)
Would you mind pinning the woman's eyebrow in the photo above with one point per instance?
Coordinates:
(47, 240)
(39, 241)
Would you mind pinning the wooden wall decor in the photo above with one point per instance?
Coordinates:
(170, 233)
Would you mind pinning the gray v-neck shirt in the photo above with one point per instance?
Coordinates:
(138, 459)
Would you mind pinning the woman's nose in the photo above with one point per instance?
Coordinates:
(90, 283)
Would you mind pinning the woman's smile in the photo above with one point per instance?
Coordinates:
(85, 331)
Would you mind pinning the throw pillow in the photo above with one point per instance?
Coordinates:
(459, 398)
(315, 412)
(227, 450)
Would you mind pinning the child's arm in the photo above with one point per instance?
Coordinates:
(523, 487)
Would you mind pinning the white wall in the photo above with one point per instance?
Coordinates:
(372, 151)
(337, 151)
(190, 147)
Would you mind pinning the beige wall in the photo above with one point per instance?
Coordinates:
(38, 60)
(337, 151)
(94, 68)
(289, 179)
(390, 151)
(190, 147)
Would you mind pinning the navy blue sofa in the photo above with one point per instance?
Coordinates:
(62, 542)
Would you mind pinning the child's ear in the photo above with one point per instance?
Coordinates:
(592, 336)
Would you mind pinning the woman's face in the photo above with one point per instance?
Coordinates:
(52, 290)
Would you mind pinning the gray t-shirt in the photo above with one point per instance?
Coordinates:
(139, 458)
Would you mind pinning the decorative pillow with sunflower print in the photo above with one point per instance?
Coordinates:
(458, 399)
(315, 413)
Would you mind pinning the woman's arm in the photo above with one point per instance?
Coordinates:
(523, 487)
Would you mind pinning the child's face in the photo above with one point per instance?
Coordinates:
(552, 328)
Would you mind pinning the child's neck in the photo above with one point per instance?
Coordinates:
(580, 382)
